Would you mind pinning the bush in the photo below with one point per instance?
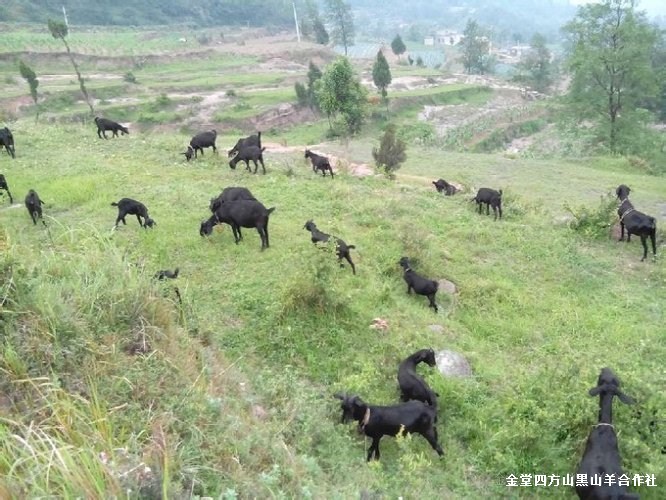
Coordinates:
(594, 222)
(231, 93)
(129, 77)
(391, 152)
(301, 94)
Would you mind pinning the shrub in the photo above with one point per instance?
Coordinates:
(301, 94)
(391, 152)
(230, 93)
(594, 221)
(129, 77)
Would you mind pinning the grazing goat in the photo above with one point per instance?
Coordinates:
(252, 140)
(104, 124)
(7, 141)
(240, 213)
(341, 248)
(412, 386)
(491, 198)
(319, 163)
(442, 185)
(189, 153)
(132, 207)
(160, 275)
(230, 194)
(635, 222)
(204, 140)
(5, 187)
(34, 206)
(420, 285)
(377, 421)
(602, 457)
(250, 153)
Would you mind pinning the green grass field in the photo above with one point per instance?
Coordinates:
(109, 387)
(231, 394)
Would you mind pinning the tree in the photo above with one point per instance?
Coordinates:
(391, 152)
(312, 24)
(29, 76)
(340, 92)
(59, 30)
(314, 75)
(398, 46)
(474, 48)
(381, 75)
(610, 66)
(321, 35)
(535, 68)
(342, 23)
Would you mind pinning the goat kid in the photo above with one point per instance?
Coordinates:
(5, 187)
(491, 198)
(442, 185)
(319, 162)
(128, 206)
(7, 141)
(104, 124)
(341, 248)
(203, 140)
(34, 205)
(601, 456)
(164, 274)
(377, 421)
(420, 285)
(635, 222)
(412, 386)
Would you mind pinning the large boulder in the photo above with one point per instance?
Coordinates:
(452, 364)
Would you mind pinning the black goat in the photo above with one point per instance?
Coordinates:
(128, 206)
(189, 153)
(442, 185)
(491, 198)
(635, 222)
(319, 163)
(240, 213)
(104, 124)
(252, 140)
(5, 187)
(377, 421)
(7, 141)
(602, 457)
(203, 140)
(230, 194)
(34, 205)
(160, 275)
(420, 285)
(250, 153)
(412, 386)
(341, 248)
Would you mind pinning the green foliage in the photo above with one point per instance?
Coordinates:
(312, 25)
(340, 92)
(129, 77)
(419, 62)
(500, 138)
(398, 46)
(474, 49)
(594, 222)
(342, 23)
(58, 29)
(29, 76)
(301, 94)
(535, 68)
(321, 35)
(610, 64)
(391, 152)
(314, 75)
(381, 73)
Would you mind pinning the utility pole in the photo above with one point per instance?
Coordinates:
(64, 13)
(298, 31)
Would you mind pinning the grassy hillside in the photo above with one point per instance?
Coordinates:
(109, 385)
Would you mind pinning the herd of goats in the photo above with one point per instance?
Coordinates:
(417, 412)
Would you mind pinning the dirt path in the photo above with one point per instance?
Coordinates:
(356, 169)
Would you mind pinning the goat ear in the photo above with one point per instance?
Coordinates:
(595, 390)
(340, 396)
(627, 400)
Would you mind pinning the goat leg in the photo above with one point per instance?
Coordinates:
(645, 248)
(621, 231)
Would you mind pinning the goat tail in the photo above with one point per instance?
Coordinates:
(270, 210)
(500, 192)
(259, 139)
(351, 246)
(114, 204)
(263, 149)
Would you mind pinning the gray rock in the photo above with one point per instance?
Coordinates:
(452, 364)
(447, 286)
(436, 328)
